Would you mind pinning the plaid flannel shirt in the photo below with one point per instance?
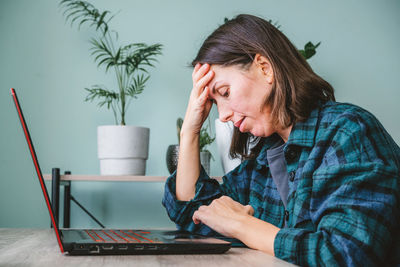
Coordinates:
(343, 203)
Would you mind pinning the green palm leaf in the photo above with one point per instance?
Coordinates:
(137, 86)
(108, 97)
(103, 54)
(138, 55)
(83, 12)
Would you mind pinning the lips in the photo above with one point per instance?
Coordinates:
(237, 124)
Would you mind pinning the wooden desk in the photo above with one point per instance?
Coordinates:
(38, 247)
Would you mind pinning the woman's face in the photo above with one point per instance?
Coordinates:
(240, 96)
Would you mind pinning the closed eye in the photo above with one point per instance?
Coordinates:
(226, 93)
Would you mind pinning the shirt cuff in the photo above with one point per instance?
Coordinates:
(286, 243)
(206, 190)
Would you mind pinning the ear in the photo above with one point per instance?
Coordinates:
(263, 64)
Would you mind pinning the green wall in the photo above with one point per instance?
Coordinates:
(49, 63)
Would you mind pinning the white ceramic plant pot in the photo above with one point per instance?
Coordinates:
(223, 136)
(122, 150)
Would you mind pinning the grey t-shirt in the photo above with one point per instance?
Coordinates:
(277, 166)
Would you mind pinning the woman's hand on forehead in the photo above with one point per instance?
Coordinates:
(199, 105)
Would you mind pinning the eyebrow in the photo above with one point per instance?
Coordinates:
(213, 89)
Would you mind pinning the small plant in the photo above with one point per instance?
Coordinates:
(309, 50)
(129, 62)
(205, 139)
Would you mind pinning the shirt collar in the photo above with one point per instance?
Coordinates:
(269, 142)
(303, 133)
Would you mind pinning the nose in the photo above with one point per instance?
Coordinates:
(225, 114)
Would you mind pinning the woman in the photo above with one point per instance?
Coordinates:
(320, 184)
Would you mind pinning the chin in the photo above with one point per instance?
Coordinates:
(257, 133)
(261, 133)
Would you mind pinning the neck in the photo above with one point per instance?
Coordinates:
(284, 133)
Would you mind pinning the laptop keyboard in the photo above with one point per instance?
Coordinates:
(119, 236)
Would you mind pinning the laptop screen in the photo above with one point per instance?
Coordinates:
(37, 167)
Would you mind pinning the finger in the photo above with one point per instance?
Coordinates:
(196, 218)
(204, 96)
(201, 72)
(196, 68)
(199, 86)
(204, 80)
(205, 102)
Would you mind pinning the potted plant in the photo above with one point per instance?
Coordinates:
(173, 150)
(205, 155)
(122, 149)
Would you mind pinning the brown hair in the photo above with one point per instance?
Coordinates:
(296, 91)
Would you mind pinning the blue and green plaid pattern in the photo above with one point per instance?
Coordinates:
(343, 203)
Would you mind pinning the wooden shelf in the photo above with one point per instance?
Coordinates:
(114, 178)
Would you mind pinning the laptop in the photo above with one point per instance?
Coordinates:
(120, 241)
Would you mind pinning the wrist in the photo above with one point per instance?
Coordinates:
(256, 234)
(187, 134)
(240, 226)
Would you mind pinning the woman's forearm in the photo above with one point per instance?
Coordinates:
(188, 169)
(199, 107)
(257, 234)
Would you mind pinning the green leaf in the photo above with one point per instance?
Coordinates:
(99, 92)
(137, 85)
(116, 58)
(179, 123)
(205, 138)
(85, 12)
(309, 50)
(135, 56)
(274, 23)
(101, 19)
(103, 55)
